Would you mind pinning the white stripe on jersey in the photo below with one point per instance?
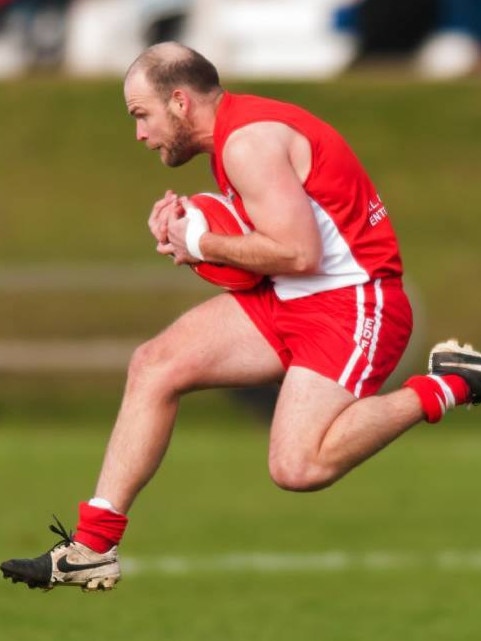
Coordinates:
(338, 267)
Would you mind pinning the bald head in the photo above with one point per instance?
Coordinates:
(169, 65)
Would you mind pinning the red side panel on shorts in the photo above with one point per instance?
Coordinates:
(354, 335)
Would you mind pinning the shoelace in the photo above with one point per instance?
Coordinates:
(59, 529)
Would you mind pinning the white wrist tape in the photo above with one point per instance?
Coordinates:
(196, 228)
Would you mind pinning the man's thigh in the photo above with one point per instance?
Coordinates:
(215, 344)
(307, 406)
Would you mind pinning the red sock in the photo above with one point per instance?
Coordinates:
(98, 528)
(439, 393)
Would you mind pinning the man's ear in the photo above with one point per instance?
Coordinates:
(180, 102)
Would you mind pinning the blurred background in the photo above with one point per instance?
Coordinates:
(247, 38)
(399, 79)
(392, 552)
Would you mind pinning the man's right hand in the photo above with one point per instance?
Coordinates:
(167, 208)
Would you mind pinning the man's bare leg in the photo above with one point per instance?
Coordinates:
(213, 345)
(321, 431)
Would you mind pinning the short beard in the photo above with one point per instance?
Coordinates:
(181, 148)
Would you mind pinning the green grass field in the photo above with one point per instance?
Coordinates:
(214, 551)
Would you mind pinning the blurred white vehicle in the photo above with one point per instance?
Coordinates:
(244, 38)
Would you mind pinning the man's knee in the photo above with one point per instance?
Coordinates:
(146, 356)
(155, 362)
(301, 474)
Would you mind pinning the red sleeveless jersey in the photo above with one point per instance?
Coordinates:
(358, 241)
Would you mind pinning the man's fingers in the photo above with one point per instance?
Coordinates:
(162, 212)
(165, 249)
